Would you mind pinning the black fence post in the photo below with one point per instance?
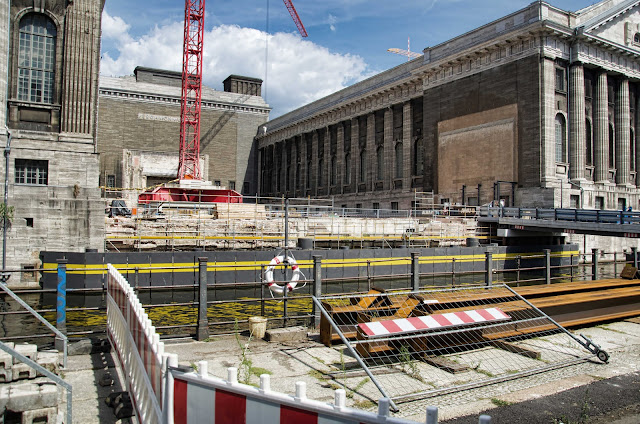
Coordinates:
(594, 263)
(61, 303)
(136, 280)
(634, 252)
(615, 264)
(415, 271)
(547, 265)
(202, 331)
(317, 286)
(488, 267)
(262, 283)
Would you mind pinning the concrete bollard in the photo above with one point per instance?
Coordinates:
(432, 415)
(547, 265)
(488, 276)
(317, 287)
(415, 271)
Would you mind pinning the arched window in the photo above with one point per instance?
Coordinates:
(380, 163)
(612, 148)
(636, 38)
(363, 166)
(589, 140)
(399, 159)
(36, 59)
(347, 168)
(418, 157)
(561, 138)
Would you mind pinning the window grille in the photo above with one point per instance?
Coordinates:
(36, 59)
(31, 171)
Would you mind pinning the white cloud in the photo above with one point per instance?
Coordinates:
(299, 71)
(332, 22)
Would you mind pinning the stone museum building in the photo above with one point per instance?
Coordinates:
(49, 99)
(538, 108)
(139, 131)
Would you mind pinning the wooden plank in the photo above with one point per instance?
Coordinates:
(445, 364)
(522, 351)
(635, 320)
(629, 272)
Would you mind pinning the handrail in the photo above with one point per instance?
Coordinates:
(41, 319)
(563, 214)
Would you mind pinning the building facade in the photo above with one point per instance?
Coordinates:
(538, 108)
(139, 131)
(49, 92)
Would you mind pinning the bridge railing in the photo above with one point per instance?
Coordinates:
(560, 214)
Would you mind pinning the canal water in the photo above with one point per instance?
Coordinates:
(174, 312)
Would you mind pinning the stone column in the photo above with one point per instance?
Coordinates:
(371, 151)
(340, 157)
(355, 153)
(577, 136)
(389, 168)
(548, 159)
(260, 179)
(314, 163)
(407, 131)
(637, 158)
(303, 165)
(294, 166)
(327, 160)
(601, 129)
(623, 131)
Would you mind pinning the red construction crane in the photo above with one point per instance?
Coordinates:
(296, 18)
(189, 165)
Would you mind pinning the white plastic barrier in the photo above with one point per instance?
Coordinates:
(138, 347)
(198, 397)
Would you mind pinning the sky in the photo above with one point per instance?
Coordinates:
(347, 42)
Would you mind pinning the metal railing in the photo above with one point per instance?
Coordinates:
(174, 306)
(573, 215)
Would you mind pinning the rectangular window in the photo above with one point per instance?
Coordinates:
(560, 79)
(246, 187)
(111, 181)
(32, 171)
(599, 202)
(574, 201)
(622, 204)
(376, 206)
(472, 201)
(394, 206)
(232, 185)
(217, 183)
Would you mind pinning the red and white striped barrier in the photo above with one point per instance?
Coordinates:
(137, 345)
(199, 398)
(430, 322)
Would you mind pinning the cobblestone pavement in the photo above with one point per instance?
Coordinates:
(562, 393)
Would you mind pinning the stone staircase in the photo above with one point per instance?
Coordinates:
(26, 396)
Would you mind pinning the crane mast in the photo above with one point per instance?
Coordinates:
(295, 17)
(189, 162)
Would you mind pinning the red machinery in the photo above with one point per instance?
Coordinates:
(190, 186)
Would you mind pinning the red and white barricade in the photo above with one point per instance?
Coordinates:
(431, 322)
(199, 398)
(137, 345)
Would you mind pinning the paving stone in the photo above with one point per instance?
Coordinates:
(23, 372)
(41, 416)
(289, 334)
(4, 398)
(28, 396)
(49, 361)
(28, 350)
